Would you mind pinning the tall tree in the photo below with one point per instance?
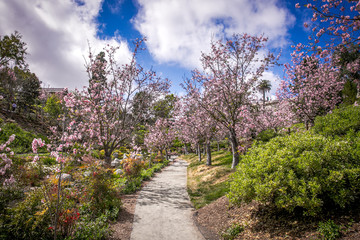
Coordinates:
(12, 54)
(264, 86)
(228, 83)
(12, 50)
(28, 89)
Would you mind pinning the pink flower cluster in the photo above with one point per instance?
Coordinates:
(36, 143)
(6, 162)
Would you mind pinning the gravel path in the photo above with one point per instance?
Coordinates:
(163, 209)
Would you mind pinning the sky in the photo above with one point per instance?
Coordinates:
(59, 33)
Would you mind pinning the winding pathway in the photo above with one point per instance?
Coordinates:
(163, 209)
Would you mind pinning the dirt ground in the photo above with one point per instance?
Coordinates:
(218, 216)
(123, 227)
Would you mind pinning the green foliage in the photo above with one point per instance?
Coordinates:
(29, 88)
(232, 232)
(102, 196)
(28, 220)
(339, 122)
(99, 154)
(303, 170)
(134, 183)
(53, 107)
(90, 228)
(206, 193)
(23, 139)
(164, 107)
(349, 93)
(12, 48)
(147, 174)
(8, 195)
(266, 135)
(329, 230)
(47, 160)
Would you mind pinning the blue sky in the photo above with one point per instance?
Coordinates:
(57, 32)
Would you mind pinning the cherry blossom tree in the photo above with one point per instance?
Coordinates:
(275, 116)
(228, 83)
(318, 72)
(338, 19)
(312, 88)
(335, 26)
(160, 136)
(195, 126)
(103, 113)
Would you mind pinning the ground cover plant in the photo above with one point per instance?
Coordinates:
(208, 183)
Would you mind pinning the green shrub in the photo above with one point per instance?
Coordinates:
(28, 220)
(102, 196)
(266, 135)
(232, 232)
(49, 160)
(132, 185)
(90, 228)
(339, 122)
(329, 230)
(147, 174)
(302, 170)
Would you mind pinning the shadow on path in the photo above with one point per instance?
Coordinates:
(163, 209)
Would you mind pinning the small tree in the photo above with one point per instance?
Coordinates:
(104, 113)
(195, 126)
(160, 136)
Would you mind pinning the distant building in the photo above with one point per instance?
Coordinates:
(52, 90)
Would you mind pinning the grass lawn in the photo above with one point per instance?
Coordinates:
(208, 183)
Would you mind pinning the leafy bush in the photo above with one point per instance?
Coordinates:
(132, 185)
(47, 160)
(339, 122)
(90, 228)
(302, 170)
(102, 196)
(28, 220)
(146, 174)
(266, 135)
(133, 166)
(329, 230)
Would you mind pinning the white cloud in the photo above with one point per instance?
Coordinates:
(178, 30)
(57, 33)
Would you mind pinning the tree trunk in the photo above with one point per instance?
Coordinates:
(167, 155)
(264, 98)
(199, 152)
(234, 148)
(208, 150)
(218, 146)
(107, 156)
(185, 150)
